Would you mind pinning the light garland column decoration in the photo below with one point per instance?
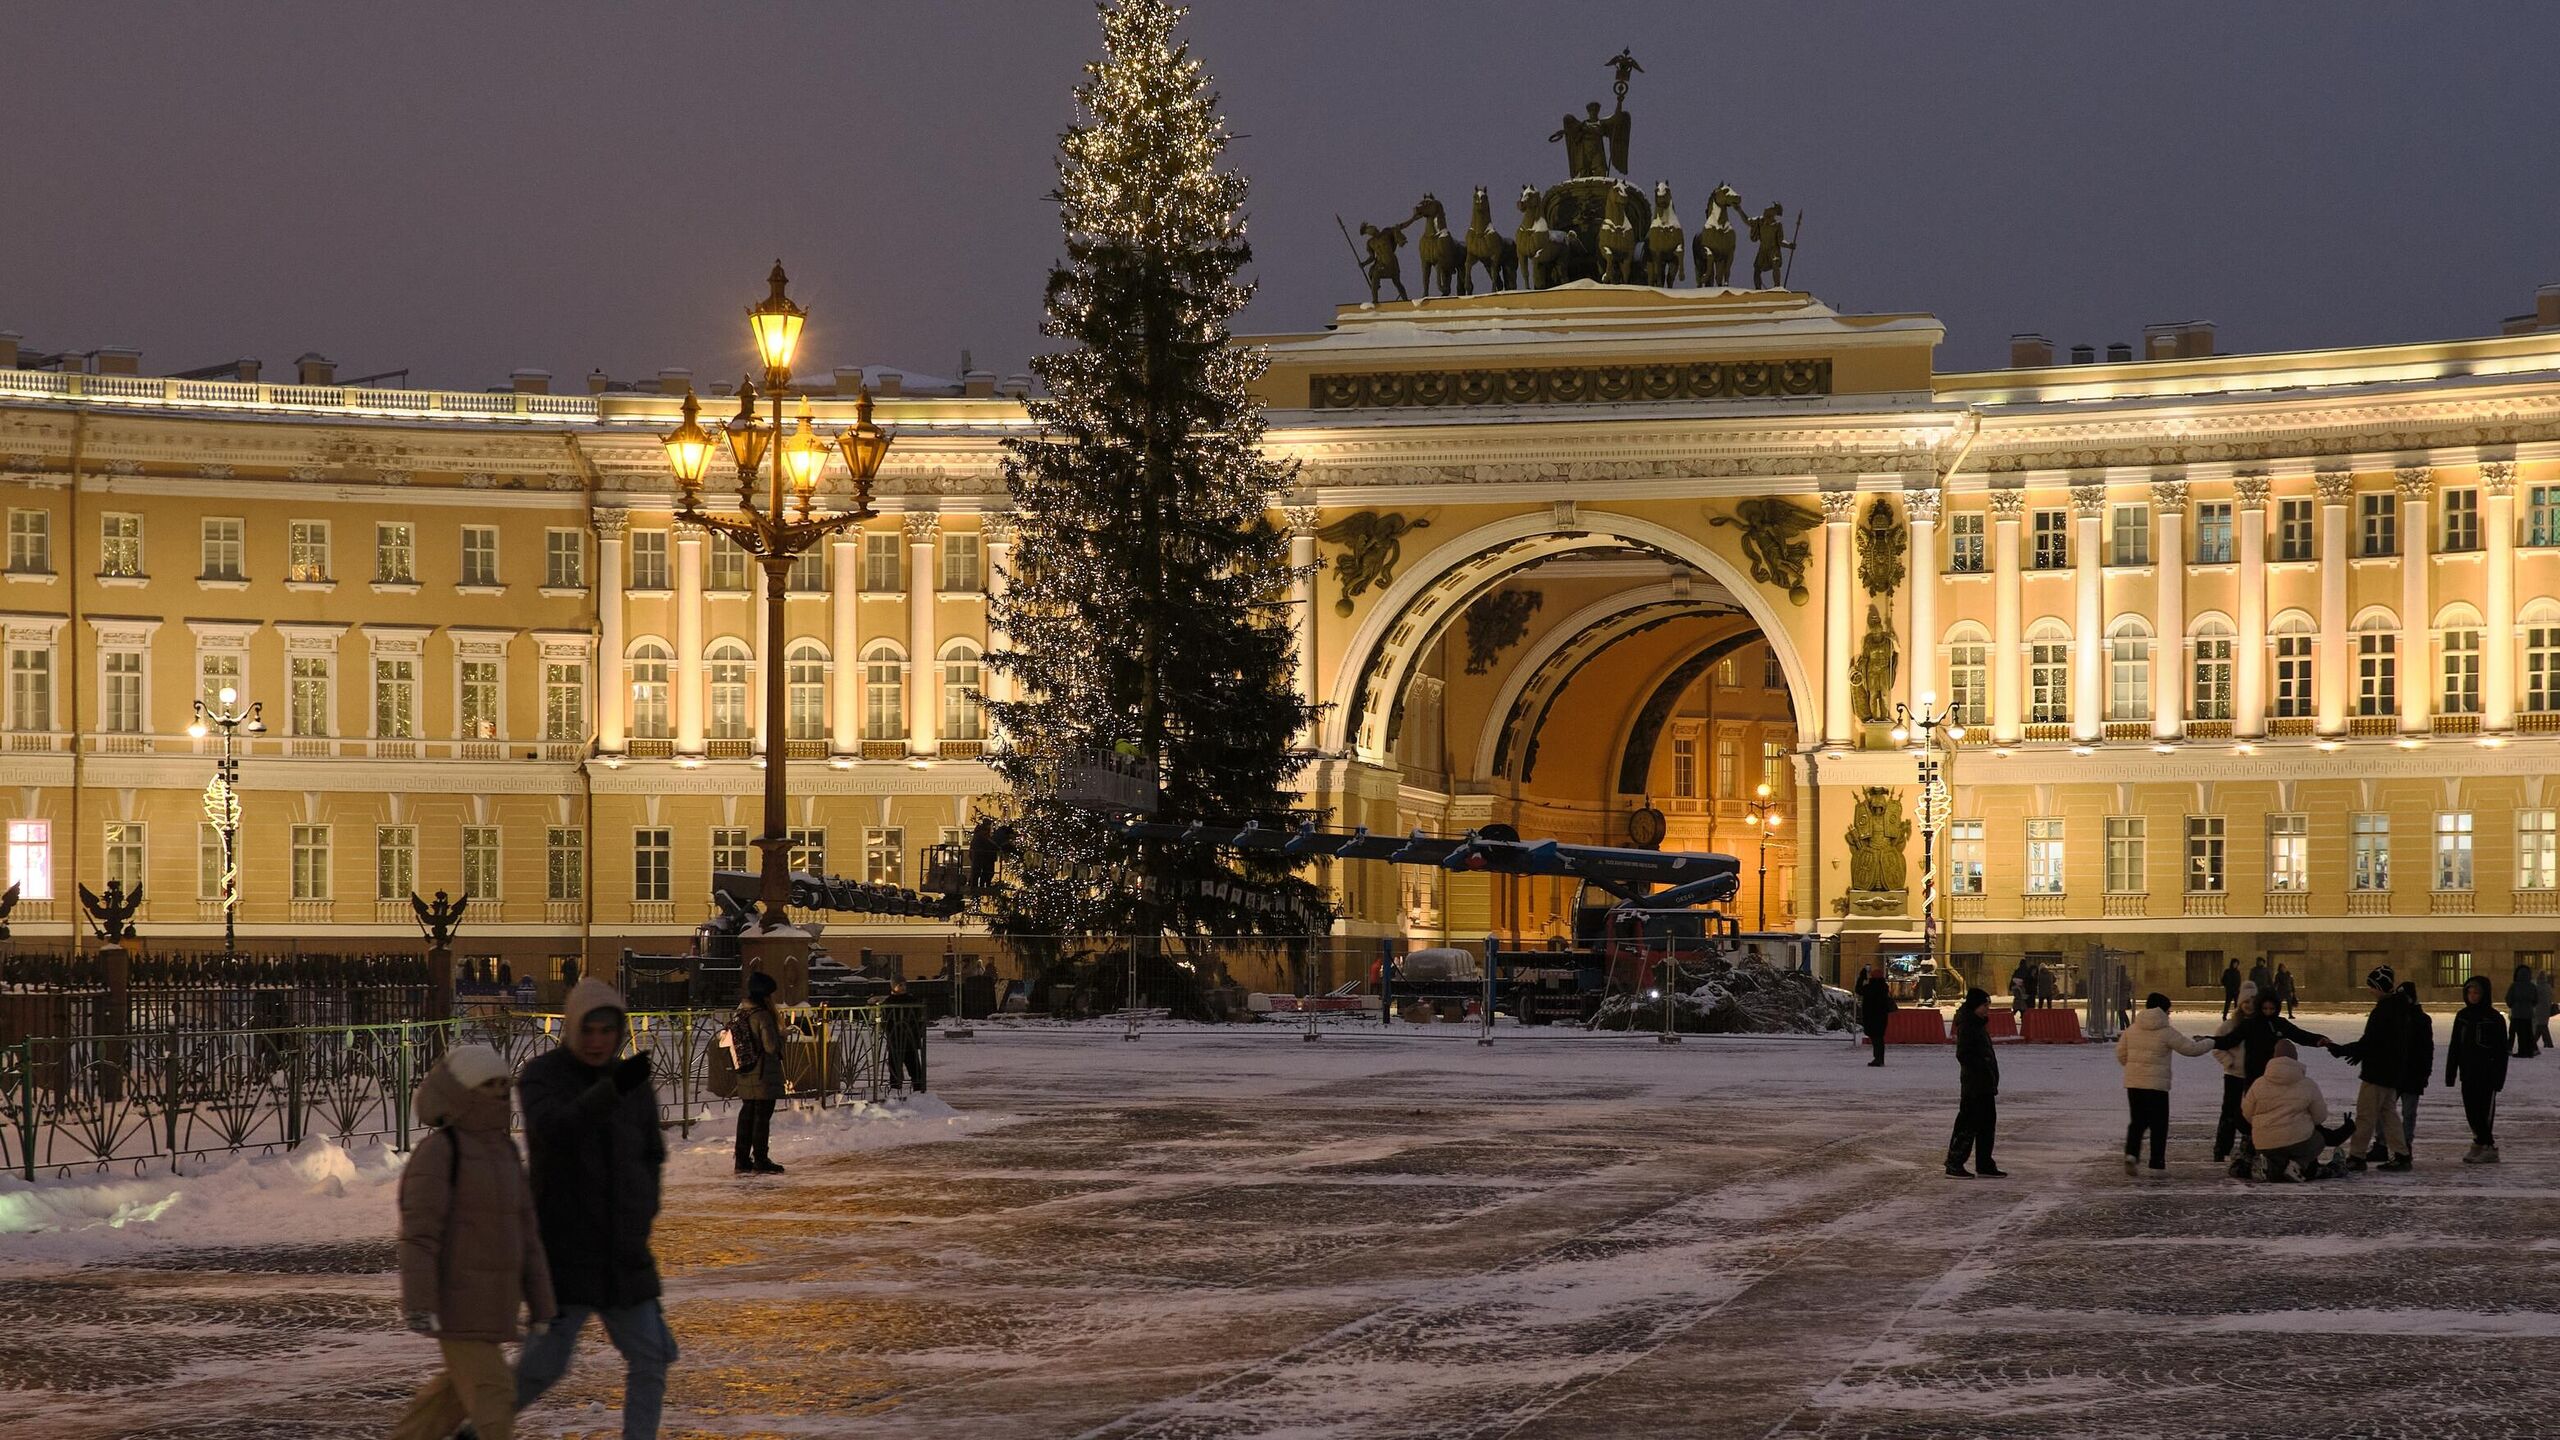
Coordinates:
(222, 795)
(1936, 731)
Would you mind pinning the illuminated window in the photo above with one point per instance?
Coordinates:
(2292, 644)
(307, 551)
(649, 688)
(2128, 854)
(2537, 850)
(2377, 671)
(2453, 850)
(884, 856)
(395, 554)
(805, 698)
(729, 849)
(31, 858)
(961, 571)
(2369, 851)
(565, 863)
(480, 868)
(124, 853)
(1964, 544)
(395, 698)
(2051, 549)
(726, 672)
(30, 688)
(2205, 854)
(478, 685)
(310, 862)
(2044, 855)
(564, 700)
(2130, 542)
(2211, 698)
(120, 546)
(1964, 857)
(964, 711)
(395, 861)
(2288, 854)
(884, 693)
(2129, 671)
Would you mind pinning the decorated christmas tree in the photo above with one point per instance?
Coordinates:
(1146, 622)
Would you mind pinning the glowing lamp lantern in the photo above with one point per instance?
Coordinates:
(747, 435)
(776, 323)
(689, 448)
(864, 446)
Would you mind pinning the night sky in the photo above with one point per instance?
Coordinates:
(465, 189)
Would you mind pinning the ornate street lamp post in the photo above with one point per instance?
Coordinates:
(1936, 730)
(1764, 820)
(222, 795)
(762, 529)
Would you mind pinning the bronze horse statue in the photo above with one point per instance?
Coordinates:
(1545, 254)
(1438, 250)
(1489, 248)
(1664, 247)
(1617, 239)
(1716, 236)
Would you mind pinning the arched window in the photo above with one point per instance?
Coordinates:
(2048, 674)
(805, 693)
(649, 663)
(2210, 697)
(2290, 639)
(2377, 642)
(726, 670)
(2542, 657)
(2129, 670)
(884, 693)
(1968, 675)
(964, 711)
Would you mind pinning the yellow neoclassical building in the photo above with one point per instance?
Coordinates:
(2255, 654)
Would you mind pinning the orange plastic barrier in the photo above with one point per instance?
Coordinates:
(2053, 1025)
(2004, 1024)
(1915, 1026)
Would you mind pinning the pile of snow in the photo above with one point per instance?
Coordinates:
(1741, 997)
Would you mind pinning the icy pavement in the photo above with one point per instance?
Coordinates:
(1232, 1233)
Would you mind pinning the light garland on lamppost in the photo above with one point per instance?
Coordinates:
(1935, 729)
(222, 795)
(1764, 820)
(764, 530)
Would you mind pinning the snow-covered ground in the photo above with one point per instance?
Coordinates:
(1401, 1232)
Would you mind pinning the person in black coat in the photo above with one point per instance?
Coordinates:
(2475, 1058)
(2380, 1056)
(2417, 1065)
(1978, 1104)
(902, 1035)
(1875, 1004)
(596, 1153)
(2230, 988)
(2255, 1033)
(2524, 1004)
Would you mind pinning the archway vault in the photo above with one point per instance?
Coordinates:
(1439, 585)
(1541, 681)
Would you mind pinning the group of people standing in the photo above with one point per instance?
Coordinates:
(2279, 984)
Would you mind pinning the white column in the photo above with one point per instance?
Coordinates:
(2089, 618)
(1302, 604)
(2169, 610)
(844, 601)
(1839, 606)
(613, 687)
(998, 532)
(924, 676)
(2249, 652)
(2008, 654)
(689, 540)
(2498, 645)
(2337, 663)
(2417, 486)
(1922, 507)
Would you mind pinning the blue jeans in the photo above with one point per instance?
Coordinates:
(638, 1331)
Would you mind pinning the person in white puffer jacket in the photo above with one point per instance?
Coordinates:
(2143, 1050)
(2288, 1116)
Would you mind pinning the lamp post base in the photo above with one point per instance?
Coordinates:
(781, 953)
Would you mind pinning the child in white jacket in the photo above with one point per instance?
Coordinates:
(2143, 1050)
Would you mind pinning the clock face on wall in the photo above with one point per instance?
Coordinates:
(1645, 828)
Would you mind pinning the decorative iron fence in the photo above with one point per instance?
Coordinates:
(75, 996)
(173, 1094)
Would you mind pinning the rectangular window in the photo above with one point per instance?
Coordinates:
(564, 559)
(2212, 700)
(395, 553)
(2461, 519)
(648, 559)
(2205, 854)
(225, 546)
(2049, 682)
(565, 863)
(2129, 540)
(2293, 675)
(31, 858)
(2044, 855)
(307, 550)
(480, 862)
(395, 861)
(2453, 967)
(2052, 541)
(31, 542)
(2378, 513)
(883, 562)
(2460, 693)
(217, 671)
(809, 851)
(652, 866)
(727, 564)
(2128, 854)
(2288, 854)
(729, 849)
(2453, 850)
(120, 546)
(808, 574)
(1964, 857)
(395, 698)
(884, 856)
(2377, 673)
(1773, 766)
(208, 863)
(120, 692)
(1969, 683)
(2369, 851)
(310, 862)
(2537, 850)
(2129, 677)
(1684, 767)
(479, 554)
(564, 700)
(2204, 969)
(961, 573)
(2213, 532)
(2293, 529)
(308, 703)
(1773, 676)
(479, 699)
(2542, 668)
(1728, 770)
(2542, 515)
(30, 689)
(1964, 543)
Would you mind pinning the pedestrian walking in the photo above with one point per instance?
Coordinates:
(902, 1032)
(471, 1262)
(2286, 994)
(2524, 1011)
(2247, 1042)
(2475, 1059)
(2259, 976)
(1978, 1095)
(2542, 1009)
(2378, 1056)
(2144, 1050)
(2230, 988)
(591, 1131)
(2022, 991)
(2289, 1116)
(1875, 1009)
(755, 1048)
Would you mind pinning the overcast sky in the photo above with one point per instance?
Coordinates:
(465, 189)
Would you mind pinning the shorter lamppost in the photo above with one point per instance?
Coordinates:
(1764, 820)
(1935, 729)
(222, 795)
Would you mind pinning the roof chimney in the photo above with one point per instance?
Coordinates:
(2029, 350)
(119, 360)
(598, 382)
(889, 383)
(532, 382)
(2084, 355)
(848, 379)
(1016, 386)
(2546, 306)
(2159, 342)
(674, 380)
(314, 368)
(977, 384)
(9, 349)
(246, 369)
(2119, 352)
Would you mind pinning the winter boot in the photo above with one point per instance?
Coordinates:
(2131, 1165)
(2396, 1163)
(2374, 1154)
(2352, 1162)
(2471, 1156)
(1991, 1172)
(2488, 1154)
(767, 1167)
(1958, 1172)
